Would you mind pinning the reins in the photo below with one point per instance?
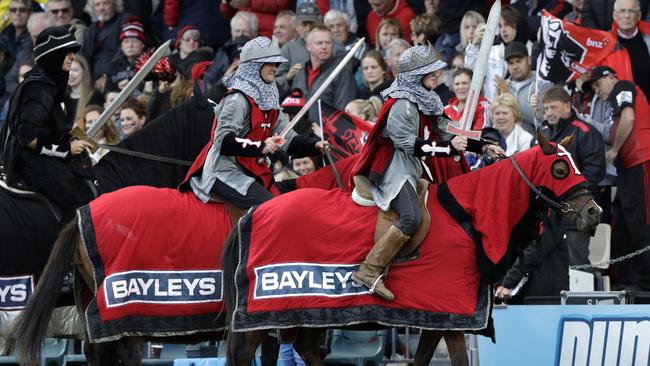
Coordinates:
(564, 206)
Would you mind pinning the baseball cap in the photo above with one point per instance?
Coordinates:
(516, 49)
(308, 11)
(597, 73)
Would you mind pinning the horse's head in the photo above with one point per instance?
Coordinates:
(557, 180)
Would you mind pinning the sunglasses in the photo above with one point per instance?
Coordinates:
(57, 11)
(18, 10)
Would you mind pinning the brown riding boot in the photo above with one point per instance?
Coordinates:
(370, 272)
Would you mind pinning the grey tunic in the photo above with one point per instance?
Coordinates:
(233, 115)
(402, 128)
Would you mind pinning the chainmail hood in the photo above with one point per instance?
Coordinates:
(414, 64)
(248, 80)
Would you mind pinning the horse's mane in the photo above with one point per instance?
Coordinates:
(179, 133)
(498, 202)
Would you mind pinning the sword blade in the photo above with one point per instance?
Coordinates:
(322, 88)
(161, 52)
(464, 126)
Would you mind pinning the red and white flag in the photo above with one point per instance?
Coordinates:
(345, 132)
(569, 50)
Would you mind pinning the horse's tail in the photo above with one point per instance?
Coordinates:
(28, 332)
(229, 259)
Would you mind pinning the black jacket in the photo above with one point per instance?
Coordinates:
(101, 43)
(587, 148)
(545, 261)
(35, 112)
(366, 93)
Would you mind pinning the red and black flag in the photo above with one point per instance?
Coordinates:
(569, 50)
(344, 132)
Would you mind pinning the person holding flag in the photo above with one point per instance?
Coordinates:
(408, 129)
(231, 167)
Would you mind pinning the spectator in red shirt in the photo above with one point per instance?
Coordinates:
(264, 9)
(460, 86)
(382, 9)
(630, 136)
(388, 30)
(633, 61)
(244, 23)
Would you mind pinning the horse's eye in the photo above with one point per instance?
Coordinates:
(560, 169)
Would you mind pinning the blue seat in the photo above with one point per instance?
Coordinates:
(356, 347)
(52, 353)
(8, 360)
(74, 360)
(211, 361)
(168, 353)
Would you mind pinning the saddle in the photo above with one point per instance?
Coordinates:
(234, 212)
(30, 195)
(385, 219)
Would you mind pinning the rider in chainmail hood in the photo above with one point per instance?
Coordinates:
(249, 118)
(409, 128)
(38, 152)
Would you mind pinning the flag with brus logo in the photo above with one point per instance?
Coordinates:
(568, 50)
(345, 132)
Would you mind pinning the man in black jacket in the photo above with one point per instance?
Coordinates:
(587, 149)
(37, 151)
(545, 260)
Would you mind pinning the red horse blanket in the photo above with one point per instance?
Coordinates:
(156, 255)
(297, 253)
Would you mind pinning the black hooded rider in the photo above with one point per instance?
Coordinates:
(37, 150)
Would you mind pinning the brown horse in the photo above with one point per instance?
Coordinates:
(469, 207)
(29, 328)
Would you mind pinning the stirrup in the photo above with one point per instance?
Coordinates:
(374, 284)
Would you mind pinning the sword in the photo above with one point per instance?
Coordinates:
(317, 94)
(78, 133)
(322, 88)
(161, 52)
(464, 126)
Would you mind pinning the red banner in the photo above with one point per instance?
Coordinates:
(569, 50)
(345, 132)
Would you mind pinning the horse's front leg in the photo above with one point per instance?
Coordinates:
(129, 350)
(241, 346)
(455, 341)
(427, 345)
(101, 354)
(307, 344)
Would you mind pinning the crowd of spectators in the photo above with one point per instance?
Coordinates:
(316, 35)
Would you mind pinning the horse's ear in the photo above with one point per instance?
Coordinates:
(567, 140)
(199, 98)
(546, 146)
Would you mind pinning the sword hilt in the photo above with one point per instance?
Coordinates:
(81, 135)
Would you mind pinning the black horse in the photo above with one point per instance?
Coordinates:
(29, 224)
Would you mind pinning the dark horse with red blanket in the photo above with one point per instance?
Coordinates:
(131, 238)
(288, 262)
(29, 224)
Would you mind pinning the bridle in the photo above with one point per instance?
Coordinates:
(565, 206)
